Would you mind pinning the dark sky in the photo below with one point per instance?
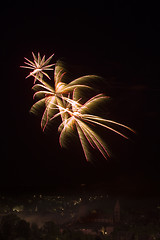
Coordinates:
(119, 41)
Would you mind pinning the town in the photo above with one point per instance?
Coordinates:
(79, 216)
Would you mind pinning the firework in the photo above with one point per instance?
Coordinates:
(60, 98)
(77, 118)
(38, 67)
(51, 96)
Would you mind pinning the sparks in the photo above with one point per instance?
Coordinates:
(39, 66)
(63, 99)
(78, 116)
(56, 95)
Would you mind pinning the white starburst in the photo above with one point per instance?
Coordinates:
(39, 66)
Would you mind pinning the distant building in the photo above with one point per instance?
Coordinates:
(99, 221)
(117, 212)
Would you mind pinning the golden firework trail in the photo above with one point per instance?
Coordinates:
(78, 117)
(52, 95)
(64, 99)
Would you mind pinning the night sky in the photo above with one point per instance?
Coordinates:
(118, 41)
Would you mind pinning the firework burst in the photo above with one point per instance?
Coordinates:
(77, 117)
(65, 100)
(38, 67)
(49, 95)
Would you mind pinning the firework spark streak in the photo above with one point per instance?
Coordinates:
(78, 117)
(38, 66)
(54, 95)
(64, 100)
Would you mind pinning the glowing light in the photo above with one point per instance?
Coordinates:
(78, 117)
(38, 66)
(55, 97)
(65, 100)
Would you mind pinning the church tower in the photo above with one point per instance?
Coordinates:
(117, 212)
